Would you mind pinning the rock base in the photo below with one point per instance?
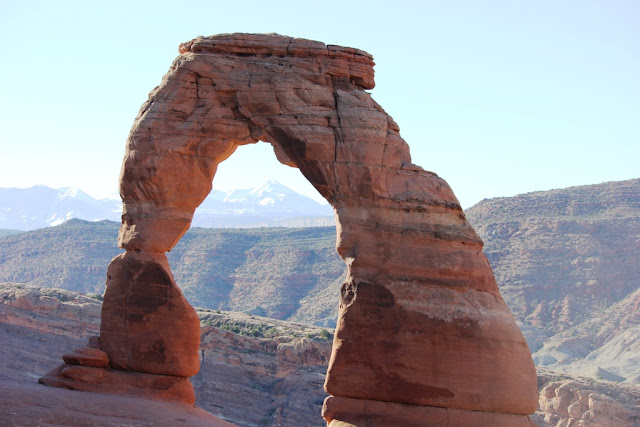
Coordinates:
(112, 381)
(347, 412)
(87, 369)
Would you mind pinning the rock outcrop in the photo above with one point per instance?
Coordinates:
(276, 368)
(149, 336)
(155, 330)
(570, 401)
(421, 320)
(39, 324)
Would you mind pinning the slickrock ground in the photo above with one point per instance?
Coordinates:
(37, 325)
(31, 404)
(255, 371)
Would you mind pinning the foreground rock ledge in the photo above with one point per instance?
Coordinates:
(27, 404)
(346, 412)
(421, 320)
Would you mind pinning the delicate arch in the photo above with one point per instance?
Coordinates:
(421, 320)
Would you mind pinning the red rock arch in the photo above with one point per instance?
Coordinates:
(422, 333)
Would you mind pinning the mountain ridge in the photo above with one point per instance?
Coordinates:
(268, 205)
(568, 266)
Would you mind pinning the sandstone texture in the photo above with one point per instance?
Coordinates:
(149, 337)
(421, 319)
(347, 412)
(147, 324)
(87, 356)
(275, 368)
(40, 324)
(75, 376)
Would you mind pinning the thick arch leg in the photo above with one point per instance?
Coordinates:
(147, 324)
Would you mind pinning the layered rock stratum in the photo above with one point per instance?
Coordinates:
(275, 368)
(28, 404)
(566, 400)
(283, 273)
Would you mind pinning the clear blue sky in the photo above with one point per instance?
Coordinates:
(497, 97)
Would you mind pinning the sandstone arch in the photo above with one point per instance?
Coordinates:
(423, 333)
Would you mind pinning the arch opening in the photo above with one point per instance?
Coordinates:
(282, 271)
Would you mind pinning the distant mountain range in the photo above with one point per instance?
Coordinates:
(41, 206)
(269, 205)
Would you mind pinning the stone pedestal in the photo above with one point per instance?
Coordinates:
(87, 369)
(147, 324)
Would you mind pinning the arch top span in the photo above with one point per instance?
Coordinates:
(355, 64)
(421, 320)
(306, 98)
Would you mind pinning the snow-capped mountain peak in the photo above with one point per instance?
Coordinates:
(270, 204)
(41, 206)
(73, 193)
(271, 187)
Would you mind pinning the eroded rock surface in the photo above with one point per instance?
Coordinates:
(275, 368)
(575, 401)
(421, 319)
(147, 324)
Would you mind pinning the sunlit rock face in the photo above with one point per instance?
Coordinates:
(147, 324)
(421, 320)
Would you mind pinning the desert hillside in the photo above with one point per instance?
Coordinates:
(282, 273)
(568, 265)
(274, 368)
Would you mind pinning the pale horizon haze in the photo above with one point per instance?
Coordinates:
(497, 97)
